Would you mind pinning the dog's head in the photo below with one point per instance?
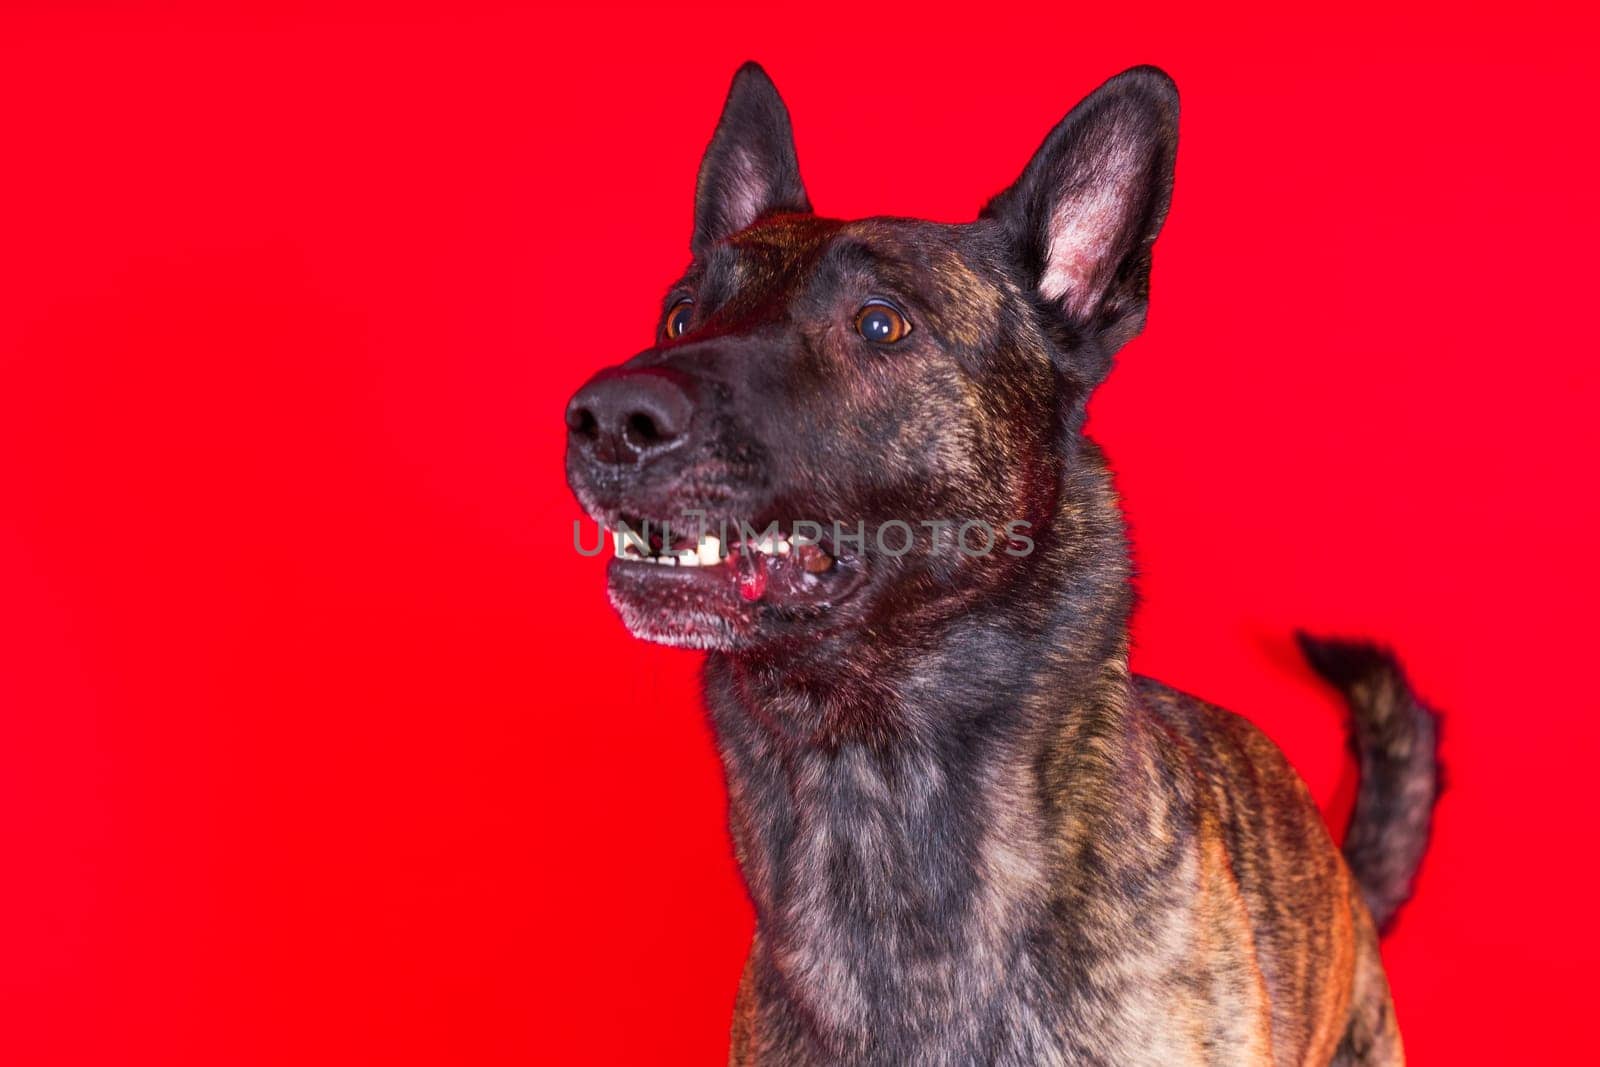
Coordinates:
(846, 422)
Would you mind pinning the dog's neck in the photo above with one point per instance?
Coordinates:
(894, 827)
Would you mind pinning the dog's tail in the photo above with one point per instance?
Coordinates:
(1395, 738)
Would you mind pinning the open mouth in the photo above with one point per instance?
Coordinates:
(712, 586)
(755, 560)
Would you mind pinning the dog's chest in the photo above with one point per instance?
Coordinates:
(907, 915)
(896, 906)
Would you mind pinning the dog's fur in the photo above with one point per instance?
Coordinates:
(972, 836)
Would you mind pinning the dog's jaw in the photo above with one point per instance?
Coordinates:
(754, 588)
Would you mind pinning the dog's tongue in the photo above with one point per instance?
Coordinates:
(752, 575)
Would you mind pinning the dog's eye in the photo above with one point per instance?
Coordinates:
(678, 316)
(881, 322)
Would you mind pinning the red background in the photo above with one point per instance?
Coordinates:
(318, 743)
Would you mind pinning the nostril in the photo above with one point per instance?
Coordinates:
(582, 422)
(642, 429)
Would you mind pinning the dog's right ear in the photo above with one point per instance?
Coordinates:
(749, 169)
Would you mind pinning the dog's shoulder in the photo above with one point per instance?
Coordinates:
(1224, 743)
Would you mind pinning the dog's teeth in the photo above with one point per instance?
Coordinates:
(628, 546)
(707, 552)
(773, 546)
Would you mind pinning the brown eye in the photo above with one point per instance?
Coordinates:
(881, 322)
(678, 316)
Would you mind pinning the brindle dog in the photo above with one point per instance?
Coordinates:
(972, 836)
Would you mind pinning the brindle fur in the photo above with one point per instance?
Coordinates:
(970, 834)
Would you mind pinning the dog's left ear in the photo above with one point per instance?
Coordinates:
(749, 169)
(1087, 209)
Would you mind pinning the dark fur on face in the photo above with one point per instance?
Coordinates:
(970, 834)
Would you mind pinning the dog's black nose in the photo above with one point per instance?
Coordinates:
(630, 416)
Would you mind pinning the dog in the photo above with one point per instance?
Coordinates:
(970, 834)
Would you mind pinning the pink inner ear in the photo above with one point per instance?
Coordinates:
(746, 192)
(1086, 229)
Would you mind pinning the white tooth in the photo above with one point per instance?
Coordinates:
(783, 546)
(617, 542)
(688, 558)
(709, 552)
